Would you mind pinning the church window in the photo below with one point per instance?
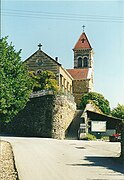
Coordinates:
(79, 62)
(85, 62)
(38, 71)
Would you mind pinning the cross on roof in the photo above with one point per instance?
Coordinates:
(83, 27)
(39, 45)
(82, 40)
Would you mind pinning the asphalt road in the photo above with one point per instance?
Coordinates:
(50, 159)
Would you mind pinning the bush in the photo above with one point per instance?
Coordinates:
(97, 99)
(105, 138)
(89, 137)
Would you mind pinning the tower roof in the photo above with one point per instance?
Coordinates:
(83, 42)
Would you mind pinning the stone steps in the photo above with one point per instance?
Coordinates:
(72, 131)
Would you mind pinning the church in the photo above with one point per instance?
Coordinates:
(76, 81)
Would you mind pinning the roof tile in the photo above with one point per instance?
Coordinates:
(83, 42)
(78, 74)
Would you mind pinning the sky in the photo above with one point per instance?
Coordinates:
(57, 25)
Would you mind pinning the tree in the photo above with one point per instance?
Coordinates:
(97, 99)
(118, 111)
(15, 86)
(45, 80)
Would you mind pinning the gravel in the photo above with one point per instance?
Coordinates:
(7, 166)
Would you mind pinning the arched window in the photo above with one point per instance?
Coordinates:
(79, 62)
(38, 72)
(85, 62)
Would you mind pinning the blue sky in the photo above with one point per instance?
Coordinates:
(57, 25)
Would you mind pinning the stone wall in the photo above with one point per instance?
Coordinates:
(45, 116)
(63, 114)
(41, 61)
(79, 88)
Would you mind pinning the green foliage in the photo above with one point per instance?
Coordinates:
(45, 80)
(89, 137)
(118, 111)
(97, 99)
(105, 138)
(15, 86)
(35, 81)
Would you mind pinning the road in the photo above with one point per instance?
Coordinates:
(50, 159)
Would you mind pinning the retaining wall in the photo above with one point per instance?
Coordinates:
(45, 116)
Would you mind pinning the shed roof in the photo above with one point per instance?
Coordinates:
(102, 117)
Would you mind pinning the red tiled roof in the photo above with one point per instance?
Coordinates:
(78, 73)
(83, 42)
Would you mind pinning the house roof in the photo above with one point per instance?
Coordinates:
(41, 52)
(78, 74)
(83, 42)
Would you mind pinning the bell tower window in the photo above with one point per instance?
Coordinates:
(79, 62)
(85, 62)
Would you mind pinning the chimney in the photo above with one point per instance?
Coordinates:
(56, 58)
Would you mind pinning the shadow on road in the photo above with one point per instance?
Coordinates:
(112, 163)
(80, 147)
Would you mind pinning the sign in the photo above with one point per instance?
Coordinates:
(98, 126)
(82, 125)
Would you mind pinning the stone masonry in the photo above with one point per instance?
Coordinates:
(80, 87)
(63, 115)
(44, 116)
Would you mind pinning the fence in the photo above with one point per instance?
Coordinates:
(69, 96)
(41, 93)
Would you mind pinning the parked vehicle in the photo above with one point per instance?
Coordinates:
(115, 137)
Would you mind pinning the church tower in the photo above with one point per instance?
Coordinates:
(83, 68)
(83, 53)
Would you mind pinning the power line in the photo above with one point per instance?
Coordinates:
(65, 14)
(62, 16)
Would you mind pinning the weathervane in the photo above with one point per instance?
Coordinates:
(39, 45)
(83, 27)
